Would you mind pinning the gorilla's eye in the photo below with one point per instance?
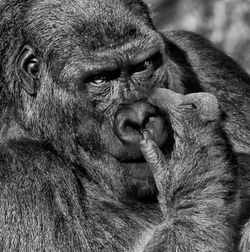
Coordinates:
(98, 80)
(151, 63)
(103, 77)
(142, 66)
(32, 67)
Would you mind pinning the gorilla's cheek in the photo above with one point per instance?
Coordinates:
(88, 136)
(98, 137)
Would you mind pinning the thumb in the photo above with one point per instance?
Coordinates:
(155, 160)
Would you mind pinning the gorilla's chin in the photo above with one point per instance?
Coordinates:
(140, 182)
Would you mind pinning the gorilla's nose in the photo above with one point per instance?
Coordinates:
(131, 119)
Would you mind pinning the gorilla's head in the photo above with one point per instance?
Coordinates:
(78, 74)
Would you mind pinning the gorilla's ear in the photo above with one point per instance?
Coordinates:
(28, 70)
(206, 105)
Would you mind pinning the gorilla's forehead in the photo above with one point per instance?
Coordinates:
(94, 24)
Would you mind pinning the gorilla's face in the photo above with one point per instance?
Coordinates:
(92, 75)
(116, 83)
(117, 87)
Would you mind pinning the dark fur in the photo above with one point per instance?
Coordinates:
(61, 190)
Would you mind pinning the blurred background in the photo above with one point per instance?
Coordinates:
(225, 22)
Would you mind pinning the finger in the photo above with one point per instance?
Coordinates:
(156, 161)
(165, 99)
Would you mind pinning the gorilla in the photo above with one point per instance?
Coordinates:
(97, 154)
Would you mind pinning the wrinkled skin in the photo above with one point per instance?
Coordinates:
(79, 85)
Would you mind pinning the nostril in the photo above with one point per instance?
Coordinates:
(132, 127)
(126, 125)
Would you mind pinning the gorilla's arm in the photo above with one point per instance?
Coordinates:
(217, 73)
(197, 187)
(39, 200)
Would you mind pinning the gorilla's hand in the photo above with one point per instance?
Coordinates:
(196, 183)
(193, 118)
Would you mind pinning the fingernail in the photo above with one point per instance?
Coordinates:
(143, 142)
(146, 134)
